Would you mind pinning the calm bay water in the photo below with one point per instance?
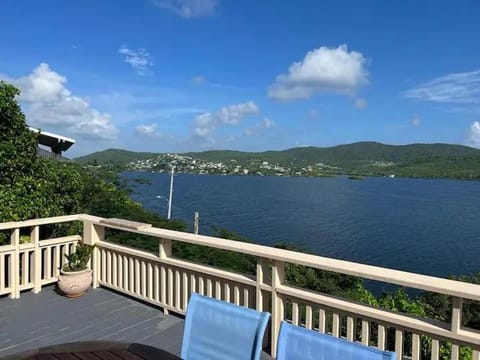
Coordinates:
(426, 226)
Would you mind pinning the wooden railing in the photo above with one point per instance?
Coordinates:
(165, 281)
(35, 262)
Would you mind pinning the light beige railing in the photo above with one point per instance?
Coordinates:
(30, 265)
(166, 281)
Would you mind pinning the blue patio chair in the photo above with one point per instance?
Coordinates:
(297, 343)
(216, 329)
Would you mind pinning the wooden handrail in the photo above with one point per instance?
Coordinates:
(397, 277)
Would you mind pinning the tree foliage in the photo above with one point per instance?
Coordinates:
(33, 187)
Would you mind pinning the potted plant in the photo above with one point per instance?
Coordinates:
(75, 276)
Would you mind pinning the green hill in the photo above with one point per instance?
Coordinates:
(362, 158)
(360, 151)
(114, 156)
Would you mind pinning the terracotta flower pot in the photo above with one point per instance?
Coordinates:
(75, 283)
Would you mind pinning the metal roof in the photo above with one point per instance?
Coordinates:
(55, 142)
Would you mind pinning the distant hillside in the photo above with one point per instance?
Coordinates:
(114, 156)
(364, 158)
(360, 151)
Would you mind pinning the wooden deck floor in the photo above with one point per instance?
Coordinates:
(47, 319)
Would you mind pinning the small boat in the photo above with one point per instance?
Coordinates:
(356, 177)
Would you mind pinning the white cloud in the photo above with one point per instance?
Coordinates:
(473, 137)
(325, 69)
(459, 88)
(199, 80)
(146, 130)
(151, 131)
(139, 59)
(360, 103)
(260, 127)
(49, 103)
(189, 8)
(205, 124)
(416, 121)
(313, 112)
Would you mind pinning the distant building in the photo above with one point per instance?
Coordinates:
(52, 145)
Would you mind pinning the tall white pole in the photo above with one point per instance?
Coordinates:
(171, 194)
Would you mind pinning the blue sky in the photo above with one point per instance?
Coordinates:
(191, 75)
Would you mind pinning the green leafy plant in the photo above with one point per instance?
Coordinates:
(78, 260)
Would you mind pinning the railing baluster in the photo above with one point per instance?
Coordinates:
(149, 281)
(381, 337)
(476, 355)
(351, 328)
(227, 292)
(415, 347)
(103, 274)
(114, 270)
(218, 290)
(322, 316)
(131, 275)
(177, 291)
(125, 273)
(2, 276)
(201, 285)
(455, 353)
(295, 316)
(193, 284)
(435, 349)
(163, 287)
(209, 288)
(184, 291)
(170, 286)
(336, 324)
(399, 343)
(37, 260)
(137, 277)
(308, 316)
(109, 267)
(236, 295)
(246, 297)
(56, 261)
(15, 264)
(365, 332)
(120, 283)
(156, 283)
(143, 278)
(48, 262)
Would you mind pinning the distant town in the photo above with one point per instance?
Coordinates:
(357, 159)
(188, 164)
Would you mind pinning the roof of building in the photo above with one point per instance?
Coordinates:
(55, 142)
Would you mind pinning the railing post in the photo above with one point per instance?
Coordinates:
(164, 252)
(164, 248)
(457, 309)
(15, 264)
(456, 324)
(92, 235)
(278, 277)
(262, 279)
(37, 259)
